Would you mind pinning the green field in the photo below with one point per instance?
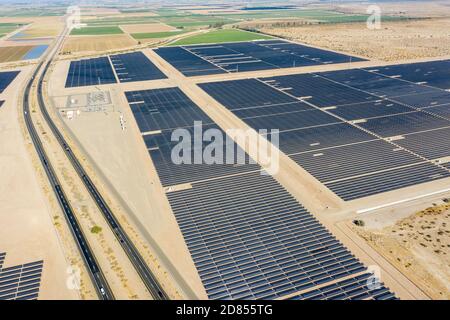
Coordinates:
(118, 21)
(6, 28)
(92, 31)
(154, 35)
(323, 16)
(225, 35)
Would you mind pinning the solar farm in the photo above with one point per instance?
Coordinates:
(20, 282)
(6, 78)
(106, 70)
(206, 59)
(359, 134)
(374, 108)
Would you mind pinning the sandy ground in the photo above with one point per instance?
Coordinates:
(394, 41)
(405, 8)
(148, 27)
(27, 230)
(75, 44)
(418, 245)
(121, 160)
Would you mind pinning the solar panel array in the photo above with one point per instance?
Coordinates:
(6, 78)
(158, 114)
(248, 237)
(135, 66)
(20, 282)
(353, 130)
(195, 60)
(432, 73)
(357, 288)
(129, 67)
(90, 72)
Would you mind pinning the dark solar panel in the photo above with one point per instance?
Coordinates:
(135, 66)
(318, 90)
(20, 282)
(169, 109)
(369, 110)
(250, 239)
(89, 72)
(430, 144)
(317, 138)
(433, 73)
(247, 56)
(376, 84)
(368, 157)
(356, 288)
(187, 63)
(404, 123)
(441, 111)
(424, 100)
(343, 94)
(368, 185)
(161, 147)
(6, 78)
(162, 109)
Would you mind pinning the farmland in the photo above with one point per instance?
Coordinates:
(92, 31)
(225, 35)
(155, 35)
(9, 54)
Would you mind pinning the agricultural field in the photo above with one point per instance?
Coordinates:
(156, 35)
(97, 44)
(92, 31)
(16, 53)
(147, 28)
(41, 29)
(220, 36)
(6, 28)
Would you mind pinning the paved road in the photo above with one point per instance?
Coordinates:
(101, 285)
(133, 254)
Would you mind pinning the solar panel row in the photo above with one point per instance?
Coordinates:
(206, 59)
(187, 63)
(161, 111)
(248, 237)
(89, 72)
(6, 78)
(129, 67)
(433, 73)
(356, 288)
(347, 108)
(20, 282)
(135, 66)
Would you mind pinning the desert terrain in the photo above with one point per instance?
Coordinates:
(400, 40)
(418, 245)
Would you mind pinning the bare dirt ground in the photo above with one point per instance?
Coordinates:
(147, 27)
(15, 53)
(76, 44)
(28, 229)
(404, 8)
(39, 27)
(395, 41)
(418, 245)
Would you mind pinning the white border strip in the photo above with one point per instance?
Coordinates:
(401, 201)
